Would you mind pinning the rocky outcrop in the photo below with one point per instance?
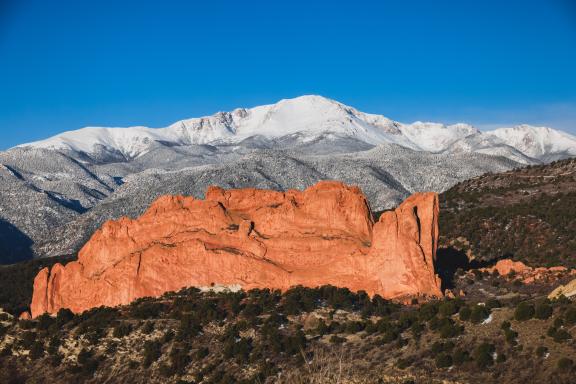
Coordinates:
(252, 238)
(506, 266)
(528, 275)
(567, 290)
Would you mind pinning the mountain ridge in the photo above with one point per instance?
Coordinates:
(309, 116)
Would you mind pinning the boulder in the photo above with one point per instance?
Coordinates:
(253, 239)
(25, 316)
(567, 290)
(505, 266)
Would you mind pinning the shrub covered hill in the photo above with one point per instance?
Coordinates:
(323, 335)
(491, 328)
(528, 214)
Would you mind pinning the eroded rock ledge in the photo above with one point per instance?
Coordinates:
(252, 238)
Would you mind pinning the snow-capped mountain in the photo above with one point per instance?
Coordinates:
(306, 119)
(541, 143)
(307, 116)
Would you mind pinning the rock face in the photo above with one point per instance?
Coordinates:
(252, 238)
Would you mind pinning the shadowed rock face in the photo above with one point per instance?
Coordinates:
(252, 238)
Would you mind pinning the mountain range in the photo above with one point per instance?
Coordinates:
(304, 120)
(56, 192)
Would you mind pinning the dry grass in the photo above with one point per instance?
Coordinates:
(335, 365)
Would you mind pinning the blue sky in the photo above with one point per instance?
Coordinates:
(68, 64)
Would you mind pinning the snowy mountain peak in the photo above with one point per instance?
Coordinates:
(308, 118)
(542, 143)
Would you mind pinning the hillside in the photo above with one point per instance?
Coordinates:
(505, 333)
(490, 328)
(527, 214)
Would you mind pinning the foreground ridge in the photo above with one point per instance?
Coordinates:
(252, 239)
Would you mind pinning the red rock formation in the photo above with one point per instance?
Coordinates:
(527, 274)
(25, 316)
(252, 238)
(505, 266)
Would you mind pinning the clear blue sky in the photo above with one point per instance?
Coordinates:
(68, 64)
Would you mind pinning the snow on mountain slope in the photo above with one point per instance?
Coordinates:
(309, 115)
(130, 141)
(434, 137)
(543, 143)
(488, 145)
(306, 119)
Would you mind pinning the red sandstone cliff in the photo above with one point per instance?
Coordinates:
(254, 238)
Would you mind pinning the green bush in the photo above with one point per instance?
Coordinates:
(565, 364)
(570, 316)
(64, 316)
(449, 329)
(542, 311)
(404, 363)
(483, 355)
(465, 313)
(37, 350)
(443, 360)
(179, 360)
(447, 308)
(148, 327)
(322, 328)
(240, 350)
(145, 309)
(493, 303)
(558, 322)
(354, 327)
(165, 370)
(524, 311)
(335, 339)
(84, 355)
(541, 351)
(428, 311)
(417, 328)
(437, 347)
(56, 359)
(202, 353)
(510, 336)
(28, 338)
(561, 335)
(460, 356)
(479, 313)
(190, 326)
(44, 322)
(54, 344)
(152, 352)
(122, 329)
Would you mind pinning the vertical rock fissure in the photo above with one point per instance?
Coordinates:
(418, 224)
(47, 298)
